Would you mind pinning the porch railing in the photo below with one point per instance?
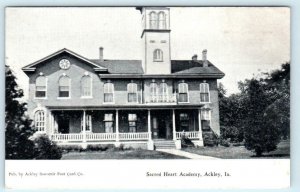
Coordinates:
(100, 136)
(67, 137)
(189, 134)
(134, 136)
(159, 98)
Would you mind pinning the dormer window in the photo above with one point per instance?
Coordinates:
(157, 55)
(40, 87)
(153, 20)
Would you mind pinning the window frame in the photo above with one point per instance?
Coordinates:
(112, 92)
(109, 121)
(88, 123)
(203, 87)
(155, 55)
(153, 95)
(69, 90)
(38, 127)
(90, 87)
(153, 21)
(132, 121)
(162, 21)
(180, 92)
(164, 95)
(132, 88)
(46, 87)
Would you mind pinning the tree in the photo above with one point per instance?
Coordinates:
(17, 125)
(260, 135)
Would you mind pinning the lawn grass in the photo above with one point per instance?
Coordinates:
(240, 152)
(126, 154)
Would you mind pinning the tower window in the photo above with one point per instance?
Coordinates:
(157, 55)
(153, 20)
(40, 87)
(64, 87)
(161, 20)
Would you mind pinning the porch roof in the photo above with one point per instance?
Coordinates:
(128, 107)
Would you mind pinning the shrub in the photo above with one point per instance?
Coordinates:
(232, 133)
(44, 148)
(225, 142)
(186, 142)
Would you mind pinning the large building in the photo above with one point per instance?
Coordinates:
(147, 103)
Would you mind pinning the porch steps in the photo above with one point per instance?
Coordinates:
(164, 144)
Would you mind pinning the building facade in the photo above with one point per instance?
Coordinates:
(148, 102)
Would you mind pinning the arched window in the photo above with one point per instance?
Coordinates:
(64, 86)
(183, 92)
(132, 92)
(204, 92)
(161, 20)
(40, 87)
(153, 92)
(163, 90)
(39, 120)
(108, 93)
(86, 86)
(157, 55)
(153, 20)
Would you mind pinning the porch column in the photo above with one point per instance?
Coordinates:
(117, 125)
(174, 124)
(84, 126)
(200, 127)
(149, 125)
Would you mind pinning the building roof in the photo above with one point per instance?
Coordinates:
(121, 66)
(134, 67)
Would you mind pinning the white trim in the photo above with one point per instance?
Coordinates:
(135, 90)
(45, 118)
(70, 87)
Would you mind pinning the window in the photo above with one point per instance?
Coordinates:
(163, 90)
(204, 92)
(183, 92)
(108, 93)
(40, 87)
(86, 86)
(64, 87)
(132, 118)
(132, 92)
(39, 120)
(153, 20)
(88, 123)
(157, 55)
(161, 20)
(184, 121)
(109, 122)
(153, 91)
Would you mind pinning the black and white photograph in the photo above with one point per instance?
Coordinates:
(178, 84)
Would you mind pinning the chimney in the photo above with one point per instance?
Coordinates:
(204, 58)
(101, 54)
(195, 57)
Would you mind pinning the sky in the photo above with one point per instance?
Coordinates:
(241, 42)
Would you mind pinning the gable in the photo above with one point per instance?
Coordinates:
(63, 53)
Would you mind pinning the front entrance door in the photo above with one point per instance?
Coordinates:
(63, 123)
(162, 125)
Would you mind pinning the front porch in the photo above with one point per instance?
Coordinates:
(139, 126)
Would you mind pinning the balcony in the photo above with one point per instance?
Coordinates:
(161, 99)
